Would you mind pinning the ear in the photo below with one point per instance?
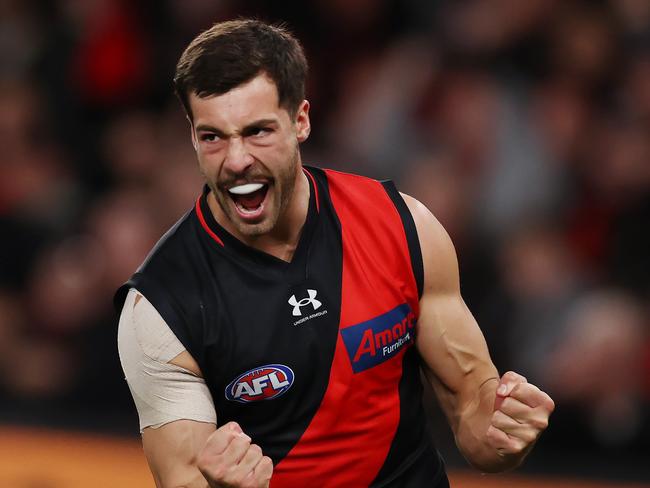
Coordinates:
(303, 125)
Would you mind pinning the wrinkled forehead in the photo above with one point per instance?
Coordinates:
(254, 100)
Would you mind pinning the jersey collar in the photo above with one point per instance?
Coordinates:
(227, 241)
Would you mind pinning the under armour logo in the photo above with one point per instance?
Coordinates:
(305, 301)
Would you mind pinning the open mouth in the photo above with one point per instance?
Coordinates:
(249, 198)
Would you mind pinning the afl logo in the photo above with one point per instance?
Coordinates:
(263, 383)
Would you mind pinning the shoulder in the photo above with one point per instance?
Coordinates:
(174, 253)
(427, 224)
(352, 190)
(159, 274)
(438, 253)
(151, 333)
(336, 177)
(174, 239)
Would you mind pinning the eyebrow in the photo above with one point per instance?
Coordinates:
(257, 123)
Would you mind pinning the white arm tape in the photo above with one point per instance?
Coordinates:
(162, 392)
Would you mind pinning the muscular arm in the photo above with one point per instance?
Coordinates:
(191, 454)
(172, 452)
(181, 442)
(457, 363)
(174, 405)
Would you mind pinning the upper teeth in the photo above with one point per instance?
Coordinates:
(245, 189)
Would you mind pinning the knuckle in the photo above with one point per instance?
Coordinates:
(493, 435)
(529, 437)
(496, 415)
(214, 438)
(493, 422)
(512, 376)
(519, 445)
(266, 462)
(549, 404)
(532, 390)
(515, 445)
(499, 418)
(241, 441)
(510, 406)
(506, 403)
(497, 424)
(540, 423)
(509, 376)
(521, 388)
(225, 429)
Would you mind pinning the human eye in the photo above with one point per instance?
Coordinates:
(209, 137)
(260, 131)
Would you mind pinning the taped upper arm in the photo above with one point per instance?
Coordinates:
(164, 379)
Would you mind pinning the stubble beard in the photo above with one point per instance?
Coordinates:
(283, 186)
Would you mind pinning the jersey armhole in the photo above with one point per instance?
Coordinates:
(163, 303)
(410, 231)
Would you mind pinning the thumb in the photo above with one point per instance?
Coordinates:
(501, 395)
(506, 384)
(234, 426)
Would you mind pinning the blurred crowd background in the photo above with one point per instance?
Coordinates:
(523, 125)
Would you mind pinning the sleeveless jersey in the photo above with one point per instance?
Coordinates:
(314, 358)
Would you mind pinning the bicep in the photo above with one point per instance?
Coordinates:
(455, 356)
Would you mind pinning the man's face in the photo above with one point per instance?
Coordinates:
(247, 147)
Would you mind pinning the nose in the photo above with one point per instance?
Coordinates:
(238, 158)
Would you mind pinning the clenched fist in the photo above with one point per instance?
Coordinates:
(229, 460)
(521, 413)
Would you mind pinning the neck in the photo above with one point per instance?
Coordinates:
(283, 239)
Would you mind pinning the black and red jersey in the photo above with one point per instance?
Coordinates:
(315, 358)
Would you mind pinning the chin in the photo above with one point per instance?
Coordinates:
(255, 230)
